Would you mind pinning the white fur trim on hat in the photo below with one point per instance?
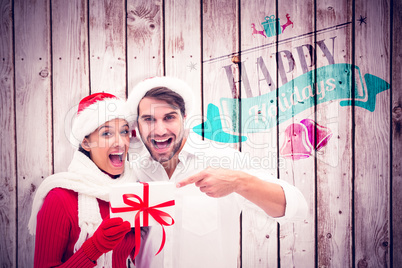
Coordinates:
(172, 83)
(93, 116)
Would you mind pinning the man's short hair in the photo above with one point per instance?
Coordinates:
(167, 95)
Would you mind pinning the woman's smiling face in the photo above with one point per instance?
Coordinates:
(108, 146)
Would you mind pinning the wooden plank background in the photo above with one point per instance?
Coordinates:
(334, 168)
(55, 52)
(262, 145)
(396, 138)
(296, 239)
(8, 167)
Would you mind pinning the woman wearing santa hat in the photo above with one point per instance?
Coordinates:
(70, 212)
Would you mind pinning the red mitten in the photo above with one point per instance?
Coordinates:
(110, 233)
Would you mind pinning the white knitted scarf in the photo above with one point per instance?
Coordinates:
(85, 178)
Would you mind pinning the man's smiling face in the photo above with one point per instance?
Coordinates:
(161, 128)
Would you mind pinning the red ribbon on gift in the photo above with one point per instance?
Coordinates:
(143, 206)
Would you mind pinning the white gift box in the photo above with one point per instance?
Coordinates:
(152, 202)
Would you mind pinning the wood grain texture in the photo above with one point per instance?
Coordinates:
(259, 233)
(220, 27)
(144, 40)
(70, 73)
(183, 49)
(335, 160)
(107, 46)
(8, 217)
(294, 59)
(220, 75)
(396, 146)
(372, 160)
(33, 115)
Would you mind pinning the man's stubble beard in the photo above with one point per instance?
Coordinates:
(162, 159)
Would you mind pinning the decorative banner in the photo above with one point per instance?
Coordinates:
(333, 83)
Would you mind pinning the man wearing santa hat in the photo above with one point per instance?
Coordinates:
(212, 186)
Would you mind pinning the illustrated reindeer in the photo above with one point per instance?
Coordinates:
(287, 23)
(257, 32)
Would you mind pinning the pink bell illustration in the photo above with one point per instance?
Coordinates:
(323, 134)
(297, 144)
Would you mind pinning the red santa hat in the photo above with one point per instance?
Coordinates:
(93, 111)
(172, 83)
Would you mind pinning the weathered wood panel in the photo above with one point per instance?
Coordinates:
(183, 48)
(144, 40)
(372, 158)
(259, 233)
(33, 115)
(70, 73)
(396, 146)
(220, 73)
(220, 46)
(107, 46)
(334, 160)
(295, 59)
(8, 217)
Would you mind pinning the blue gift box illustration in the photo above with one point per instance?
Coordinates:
(271, 26)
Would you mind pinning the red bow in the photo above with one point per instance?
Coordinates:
(143, 206)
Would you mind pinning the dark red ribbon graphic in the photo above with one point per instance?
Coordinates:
(143, 206)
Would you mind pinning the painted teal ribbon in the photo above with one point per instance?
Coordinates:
(333, 83)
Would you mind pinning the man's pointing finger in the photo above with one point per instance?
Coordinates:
(189, 180)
